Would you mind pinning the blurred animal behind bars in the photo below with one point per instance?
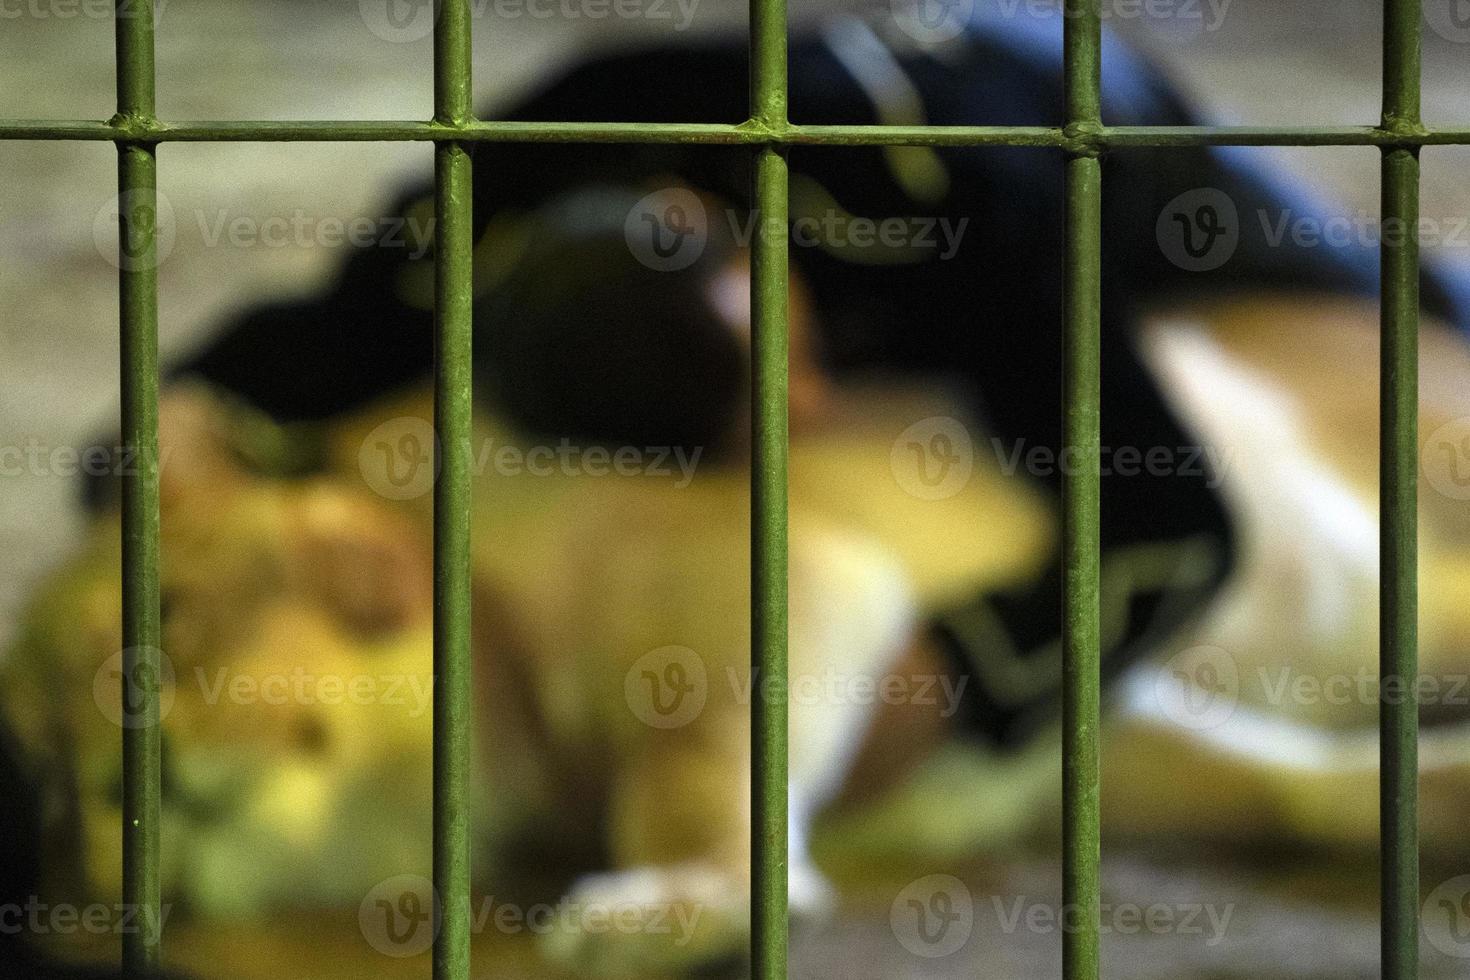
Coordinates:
(278, 560)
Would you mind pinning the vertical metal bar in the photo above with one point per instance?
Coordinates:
(137, 176)
(768, 500)
(1398, 488)
(453, 301)
(1081, 852)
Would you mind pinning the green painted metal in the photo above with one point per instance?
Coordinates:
(1398, 488)
(768, 573)
(137, 179)
(747, 133)
(1081, 680)
(453, 327)
(1398, 586)
(768, 291)
(141, 668)
(1084, 138)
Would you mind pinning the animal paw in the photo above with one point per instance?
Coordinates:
(650, 921)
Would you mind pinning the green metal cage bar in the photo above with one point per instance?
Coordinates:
(752, 132)
(1398, 505)
(136, 133)
(768, 580)
(453, 322)
(1081, 489)
(137, 181)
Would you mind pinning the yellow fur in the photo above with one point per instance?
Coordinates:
(579, 580)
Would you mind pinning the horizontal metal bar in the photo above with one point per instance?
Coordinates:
(749, 133)
(1166, 136)
(367, 131)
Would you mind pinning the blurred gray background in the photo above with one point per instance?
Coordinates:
(1284, 62)
(1240, 60)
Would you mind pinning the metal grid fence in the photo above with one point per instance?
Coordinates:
(1084, 138)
